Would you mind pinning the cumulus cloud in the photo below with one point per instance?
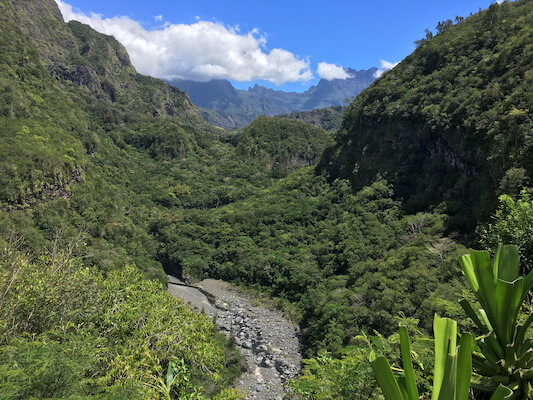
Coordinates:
(200, 51)
(158, 18)
(385, 66)
(331, 71)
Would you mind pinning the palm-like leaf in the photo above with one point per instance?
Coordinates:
(452, 372)
(501, 291)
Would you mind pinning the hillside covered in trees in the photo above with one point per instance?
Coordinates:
(458, 108)
(109, 180)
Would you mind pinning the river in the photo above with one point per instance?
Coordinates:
(267, 340)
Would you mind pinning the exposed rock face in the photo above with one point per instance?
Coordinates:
(59, 187)
(74, 53)
(80, 75)
(42, 21)
(267, 340)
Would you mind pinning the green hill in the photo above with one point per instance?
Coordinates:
(451, 124)
(283, 143)
(85, 138)
(329, 118)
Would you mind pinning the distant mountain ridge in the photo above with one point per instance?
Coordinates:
(223, 105)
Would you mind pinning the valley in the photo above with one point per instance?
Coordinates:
(312, 234)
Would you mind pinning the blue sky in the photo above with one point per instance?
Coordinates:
(181, 38)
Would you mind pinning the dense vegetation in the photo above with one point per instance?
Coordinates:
(329, 118)
(284, 144)
(76, 158)
(108, 177)
(347, 261)
(66, 330)
(512, 223)
(92, 150)
(451, 121)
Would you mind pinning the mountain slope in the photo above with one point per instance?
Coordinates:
(284, 144)
(225, 106)
(329, 118)
(336, 91)
(75, 54)
(450, 124)
(62, 85)
(84, 137)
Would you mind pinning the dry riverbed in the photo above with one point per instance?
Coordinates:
(267, 340)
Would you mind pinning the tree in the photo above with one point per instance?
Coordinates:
(443, 26)
(429, 36)
(513, 224)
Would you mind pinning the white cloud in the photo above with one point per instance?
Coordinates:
(200, 51)
(331, 71)
(158, 18)
(385, 66)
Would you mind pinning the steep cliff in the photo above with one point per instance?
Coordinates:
(451, 125)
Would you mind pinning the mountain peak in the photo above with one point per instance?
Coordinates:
(42, 21)
(230, 107)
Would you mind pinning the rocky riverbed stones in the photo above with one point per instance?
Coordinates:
(267, 341)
